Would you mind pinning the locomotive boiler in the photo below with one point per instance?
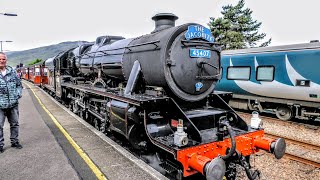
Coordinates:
(162, 58)
(156, 91)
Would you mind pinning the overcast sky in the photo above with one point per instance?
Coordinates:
(46, 22)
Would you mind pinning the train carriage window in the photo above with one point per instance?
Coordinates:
(238, 73)
(37, 71)
(45, 72)
(265, 73)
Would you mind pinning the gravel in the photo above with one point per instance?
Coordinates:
(271, 168)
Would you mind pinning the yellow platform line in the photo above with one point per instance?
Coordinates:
(82, 154)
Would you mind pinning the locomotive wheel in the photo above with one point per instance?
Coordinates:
(99, 83)
(103, 127)
(82, 114)
(96, 123)
(71, 107)
(179, 175)
(284, 113)
(75, 108)
(136, 137)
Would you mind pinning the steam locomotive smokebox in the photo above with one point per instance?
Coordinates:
(165, 58)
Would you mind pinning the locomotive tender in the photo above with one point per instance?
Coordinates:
(156, 92)
(280, 79)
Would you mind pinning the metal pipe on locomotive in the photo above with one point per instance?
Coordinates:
(156, 91)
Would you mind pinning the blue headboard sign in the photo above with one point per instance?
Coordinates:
(198, 31)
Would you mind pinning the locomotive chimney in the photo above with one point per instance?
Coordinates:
(164, 21)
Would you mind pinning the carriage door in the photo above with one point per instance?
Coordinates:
(37, 77)
(44, 75)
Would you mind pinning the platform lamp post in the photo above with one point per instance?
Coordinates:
(8, 14)
(1, 44)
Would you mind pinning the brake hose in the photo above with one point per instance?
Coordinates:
(233, 141)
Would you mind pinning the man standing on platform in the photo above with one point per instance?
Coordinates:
(10, 93)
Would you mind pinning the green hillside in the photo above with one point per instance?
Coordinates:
(43, 53)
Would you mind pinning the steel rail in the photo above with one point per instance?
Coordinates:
(302, 160)
(296, 157)
(308, 145)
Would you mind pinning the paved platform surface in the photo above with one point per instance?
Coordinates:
(41, 156)
(48, 152)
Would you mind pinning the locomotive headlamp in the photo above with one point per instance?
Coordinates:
(256, 122)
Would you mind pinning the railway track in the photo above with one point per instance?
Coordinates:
(297, 157)
(290, 155)
(308, 145)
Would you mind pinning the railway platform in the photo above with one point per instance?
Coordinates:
(59, 145)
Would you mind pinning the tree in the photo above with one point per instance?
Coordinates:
(35, 61)
(236, 29)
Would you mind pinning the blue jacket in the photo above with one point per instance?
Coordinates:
(10, 89)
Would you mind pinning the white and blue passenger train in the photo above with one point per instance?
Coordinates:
(283, 79)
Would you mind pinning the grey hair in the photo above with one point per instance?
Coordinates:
(3, 54)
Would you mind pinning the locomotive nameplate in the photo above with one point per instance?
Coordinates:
(200, 53)
(199, 32)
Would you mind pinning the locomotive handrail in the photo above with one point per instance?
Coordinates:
(211, 65)
(142, 44)
(209, 77)
(194, 43)
(127, 47)
(104, 54)
(103, 51)
(86, 55)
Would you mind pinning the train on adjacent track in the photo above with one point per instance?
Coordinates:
(156, 92)
(282, 79)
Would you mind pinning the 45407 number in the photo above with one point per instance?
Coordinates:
(200, 53)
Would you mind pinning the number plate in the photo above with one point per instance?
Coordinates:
(200, 53)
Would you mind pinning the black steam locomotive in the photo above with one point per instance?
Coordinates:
(157, 92)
